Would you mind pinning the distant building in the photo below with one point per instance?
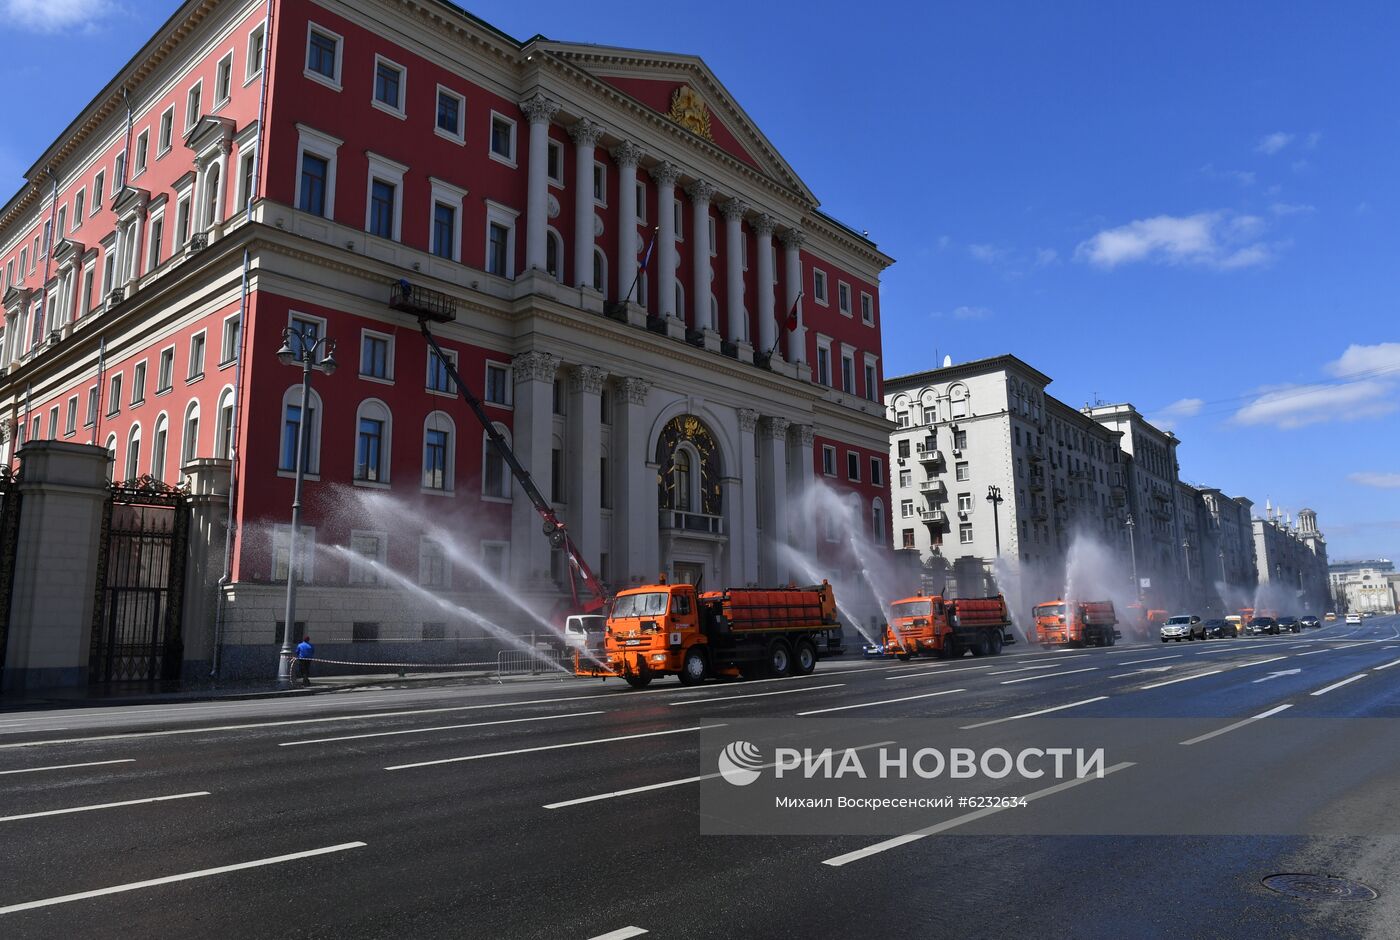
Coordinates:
(1339, 572)
(1366, 587)
(1220, 550)
(1292, 562)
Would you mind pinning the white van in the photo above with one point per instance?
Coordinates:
(585, 631)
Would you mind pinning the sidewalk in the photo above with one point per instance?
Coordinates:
(235, 690)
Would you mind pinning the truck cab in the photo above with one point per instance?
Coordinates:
(914, 626)
(649, 626)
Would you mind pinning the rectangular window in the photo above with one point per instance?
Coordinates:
(964, 502)
(114, 395)
(439, 379)
(253, 67)
(824, 366)
(877, 471)
(182, 222)
(369, 547)
(70, 424)
(98, 183)
(157, 243)
(872, 392)
(432, 572)
(196, 356)
(62, 221)
(53, 422)
(314, 171)
(853, 466)
(165, 370)
(223, 81)
(906, 478)
(228, 352)
(138, 383)
(554, 164)
(903, 448)
(843, 297)
(143, 146)
(369, 452)
(961, 472)
(451, 113)
(819, 285)
(291, 428)
(498, 239)
(641, 204)
(502, 138)
(444, 230)
(374, 356)
(305, 331)
(435, 460)
(323, 55)
(388, 85)
(907, 539)
(192, 107)
(604, 492)
(867, 308)
(91, 417)
(245, 181)
(167, 131)
(959, 440)
(497, 384)
(965, 533)
(600, 184)
(381, 209)
(906, 508)
(848, 373)
(829, 460)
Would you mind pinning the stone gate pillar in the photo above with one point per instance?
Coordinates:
(63, 493)
(208, 480)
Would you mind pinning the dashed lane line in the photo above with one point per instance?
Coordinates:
(1199, 675)
(96, 806)
(1043, 711)
(95, 763)
(1239, 724)
(888, 701)
(476, 724)
(1050, 675)
(551, 747)
(1337, 685)
(732, 698)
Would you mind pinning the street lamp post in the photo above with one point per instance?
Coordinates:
(996, 499)
(1132, 547)
(304, 347)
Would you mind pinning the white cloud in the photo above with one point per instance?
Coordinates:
(1273, 143)
(51, 16)
(1313, 140)
(1358, 360)
(1214, 239)
(1297, 406)
(1384, 481)
(1046, 256)
(1168, 417)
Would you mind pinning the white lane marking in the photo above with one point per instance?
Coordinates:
(1050, 675)
(1393, 662)
(1239, 724)
(1259, 662)
(1005, 672)
(476, 724)
(1338, 685)
(550, 747)
(1315, 652)
(673, 783)
(170, 879)
(1154, 659)
(1043, 711)
(1218, 649)
(622, 933)
(94, 806)
(1300, 646)
(1388, 647)
(888, 701)
(26, 730)
(1138, 672)
(731, 698)
(956, 821)
(96, 763)
(1282, 672)
(1199, 675)
(935, 672)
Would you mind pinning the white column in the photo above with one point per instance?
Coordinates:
(540, 111)
(745, 543)
(665, 175)
(772, 462)
(532, 439)
(636, 519)
(765, 284)
(701, 271)
(626, 155)
(585, 134)
(797, 339)
(586, 445)
(801, 477)
(733, 211)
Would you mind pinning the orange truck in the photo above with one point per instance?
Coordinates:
(932, 625)
(1076, 623)
(670, 629)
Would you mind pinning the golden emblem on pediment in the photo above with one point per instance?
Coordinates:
(689, 110)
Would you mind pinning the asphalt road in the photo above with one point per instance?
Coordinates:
(434, 812)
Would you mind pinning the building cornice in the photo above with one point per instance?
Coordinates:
(964, 370)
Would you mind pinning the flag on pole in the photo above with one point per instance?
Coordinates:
(646, 259)
(791, 322)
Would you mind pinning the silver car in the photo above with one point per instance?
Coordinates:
(1182, 627)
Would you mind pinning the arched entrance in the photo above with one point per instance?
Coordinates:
(691, 500)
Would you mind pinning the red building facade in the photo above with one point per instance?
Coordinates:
(649, 301)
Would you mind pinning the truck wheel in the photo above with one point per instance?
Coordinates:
(997, 641)
(1111, 638)
(950, 649)
(638, 682)
(693, 667)
(983, 646)
(804, 658)
(903, 657)
(779, 659)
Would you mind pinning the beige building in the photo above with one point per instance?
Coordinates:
(1292, 563)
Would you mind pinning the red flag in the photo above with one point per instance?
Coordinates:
(791, 322)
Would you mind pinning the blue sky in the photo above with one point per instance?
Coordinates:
(1189, 206)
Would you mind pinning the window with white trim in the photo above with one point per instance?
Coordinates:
(376, 355)
(497, 387)
(867, 308)
(495, 476)
(554, 163)
(439, 379)
(829, 460)
(193, 108)
(450, 121)
(843, 297)
(373, 441)
(500, 239)
(323, 56)
(433, 571)
(291, 428)
(281, 554)
(223, 81)
(390, 86)
(253, 66)
(439, 450)
(819, 286)
(228, 347)
(316, 159)
(143, 153)
(384, 197)
(600, 183)
(445, 215)
(823, 361)
(502, 139)
(369, 550)
(853, 466)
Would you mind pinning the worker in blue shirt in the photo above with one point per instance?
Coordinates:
(305, 653)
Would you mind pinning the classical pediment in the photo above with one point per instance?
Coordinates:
(683, 90)
(130, 199)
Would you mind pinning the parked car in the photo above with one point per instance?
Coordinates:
(1289, 625)
(1263, 625)
(1183, 627)
(585, 631)
(1353, 619)
(1221, 629)
(1310, 621)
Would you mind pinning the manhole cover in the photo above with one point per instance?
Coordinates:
(1319, 888)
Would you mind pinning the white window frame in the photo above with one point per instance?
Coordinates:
(327, 148)
(70, 420)
(191, 119)
(556, 146)
(460, 137)
(829, 450)
(228, 356)
(600, 183)
(486, 451)
(872, 366)
(424, 552)
(98, 192)
(400, 110)
(358, 572)
(848, 354)
(677, 223)
(282, 542)
(163, 389)
(824, 344)
(388, 338)
(877, 471)
(819, 286)
(218, 67)
(505, 367)
(138, 382)
(386, 171)
(507, 217)
(331, 82)
(714, 240)
(505, 556)
(292, 396)
(294, 315)
(451, 356)
(965, 533)
(853, 460)
(511, 161)
(190, 375)
(906, 509)
(153, 230)
(141, 153)
(867, 302)
(386, 444)
(843, 299)
(454, 196)
(166, 126)
(449, 487)
(253, 64)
